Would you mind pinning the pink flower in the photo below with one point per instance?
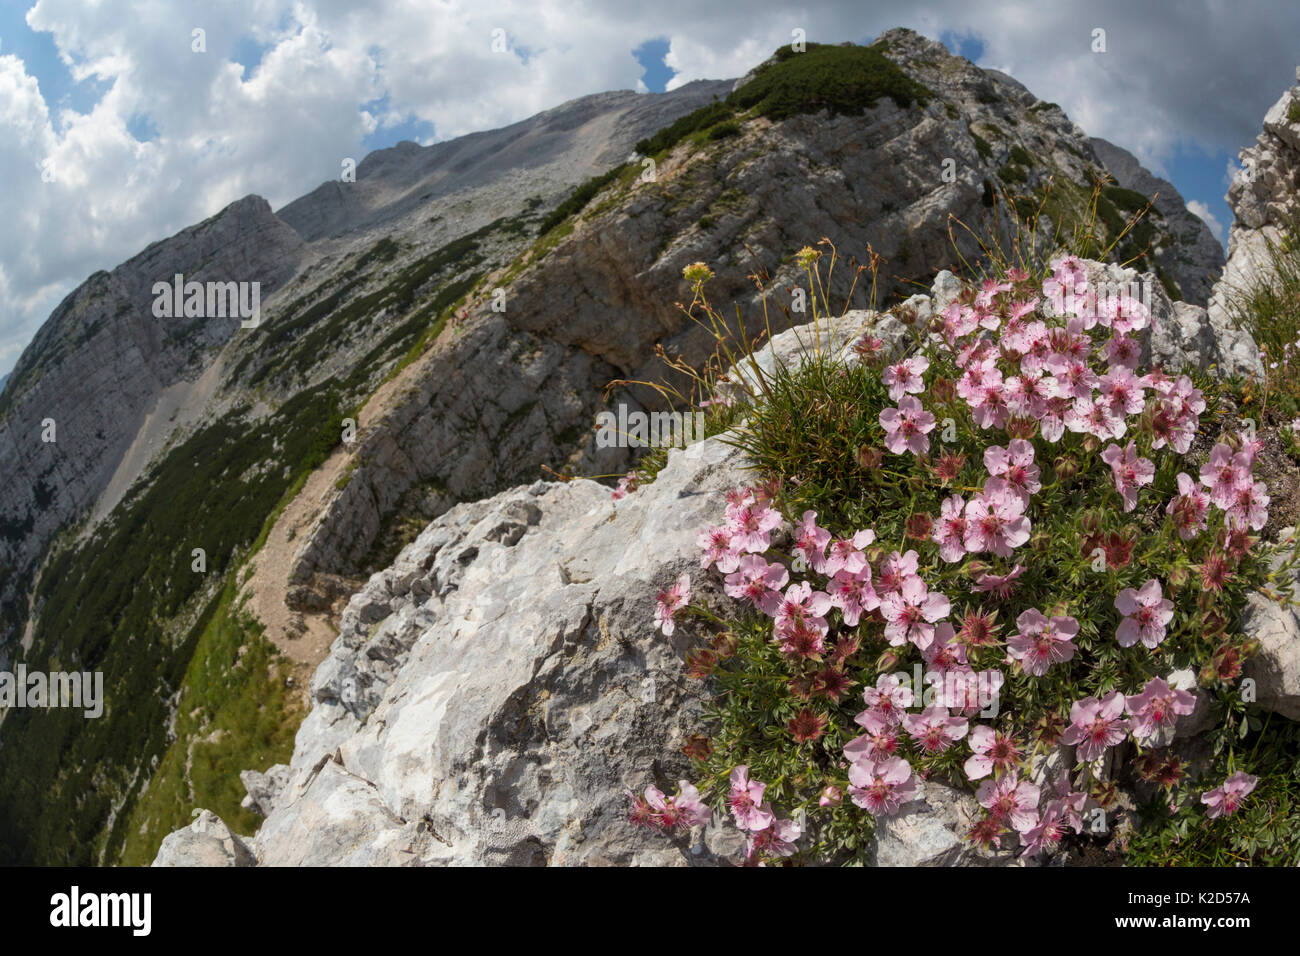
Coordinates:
(751, 526)
(669, 602)
(810, 541)
(1123, 313)
(718, 547)
(1015, 464)
(945, 650)
(880, 742)
(685, 809)
(1158, 706)
(1123, 391)
(959, 321)
(905, 377)
(1041, 642)
(1188, 510)
(990, 751)
(1010, 800)
(912, 612)
(1070, 272)
(846, 554)
(995, 519)
(889, 698)
(1052, 424)
(1046, 832)
(1249, 506)
(802, 606)
(933, 730)
(1224, 473)
(853, 594)
(1226, 799)
(1074, 377)
(1096, 725)
(881, 787)
(1094, 417)
(907, 427)
(949, 531)
(989, 404)
(979, 369)
(1146, 612)
(626, 484)
(895, 572)
(746, 801)
(1129, 471)
(775, 840)
(999, 585)
(1029, 394)
(758, 582)
(1123, 351)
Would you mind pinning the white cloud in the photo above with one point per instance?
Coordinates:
(282, 128)
(1198, 208)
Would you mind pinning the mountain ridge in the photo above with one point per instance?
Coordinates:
(385, 296)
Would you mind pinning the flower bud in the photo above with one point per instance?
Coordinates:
(869, 458)
(918, 526)
(1066, 467)
(697, 273)
(698, 747)
(701, 663)
(725, 644)
(1025, 428)
(942, 391)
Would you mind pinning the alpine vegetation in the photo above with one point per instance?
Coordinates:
(1005, 499)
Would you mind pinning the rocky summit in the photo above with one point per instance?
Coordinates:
(347, 556)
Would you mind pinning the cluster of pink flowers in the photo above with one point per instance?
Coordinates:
(1016, 373)
(1097, 725)
(750, 521)
(767, 834)
(1232, 487)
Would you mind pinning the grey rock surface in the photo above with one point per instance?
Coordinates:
(1195, 261)
(263, 788)
(1276, 668)
(492, 693)
(1180, 335)
(1264, 200)
(931, 831)
(102, 349)
(206, 842)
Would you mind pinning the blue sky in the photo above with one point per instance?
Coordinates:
(141, 136)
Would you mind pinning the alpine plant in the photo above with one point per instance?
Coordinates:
(1025, 555)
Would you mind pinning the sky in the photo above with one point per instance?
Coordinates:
(120, 125)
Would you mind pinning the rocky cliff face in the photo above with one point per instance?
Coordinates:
(82, 389)
(1264, 199)
(139, 402)
(103, 348)
(398, 275)
(1195, 259)
(516, 388)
